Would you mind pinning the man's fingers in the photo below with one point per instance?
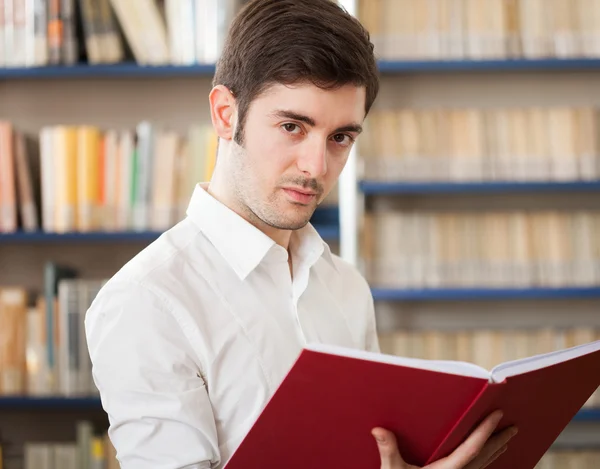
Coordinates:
(493, 448)
(473, 445)
(388, 449)
(495, 456)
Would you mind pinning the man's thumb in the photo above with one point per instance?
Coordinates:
(388, 449)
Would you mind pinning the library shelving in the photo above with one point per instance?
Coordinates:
(496, 294)
(386, 67)
(482, 187)
(327, 232)
(22, 403)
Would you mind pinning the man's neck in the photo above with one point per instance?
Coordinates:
(281, 237)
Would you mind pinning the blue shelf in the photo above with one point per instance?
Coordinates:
(122, 70)
(131, 69)
(467, 294)
(491, 187)
(94, 237)
(49, 403)
(587, 415)
(327, 232)
(19, 403)
(550, 64)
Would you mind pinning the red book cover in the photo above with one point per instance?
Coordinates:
(323, 412)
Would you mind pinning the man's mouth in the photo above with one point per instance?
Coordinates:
(300, 195)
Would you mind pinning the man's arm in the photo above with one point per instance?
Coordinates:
(159, 411)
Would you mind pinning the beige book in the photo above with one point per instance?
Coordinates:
(402, 343)
(586, 141)
(560, 139)
(476, 29)
(519, 147)
(13, 323)
(520, 246)
(428, 158)
(534, 28)
(133, 26)
(464, 346)
(163, 187)
(503, 164)
(512, 26)
(563, 15)
(538, 153)
(440, 345)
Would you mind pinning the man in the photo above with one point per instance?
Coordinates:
(192, 337)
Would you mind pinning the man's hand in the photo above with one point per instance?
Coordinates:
(478, 451)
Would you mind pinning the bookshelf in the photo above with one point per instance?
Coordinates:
(124, 93)
(492, 294)
(329, 232)
(373, 188)
(386, 67)
(25, 403)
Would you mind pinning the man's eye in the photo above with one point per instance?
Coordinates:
(291, 128)
(342, 139)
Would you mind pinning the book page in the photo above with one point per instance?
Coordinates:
(441, 366)
(517, 367)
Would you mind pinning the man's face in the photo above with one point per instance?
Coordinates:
(296, 141)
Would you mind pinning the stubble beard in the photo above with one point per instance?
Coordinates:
(269, 212)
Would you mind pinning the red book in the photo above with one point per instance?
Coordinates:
(323, 412)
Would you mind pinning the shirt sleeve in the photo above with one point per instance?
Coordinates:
(149, 380)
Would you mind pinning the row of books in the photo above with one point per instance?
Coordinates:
(474, 248)
(554, 143)
(570, 459)
(152, 32)
(45, 32)
(473, 29)
(486, 348)
(34, 360)
(84, 178)
(91, 449)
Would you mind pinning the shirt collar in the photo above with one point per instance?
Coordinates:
(242, 245)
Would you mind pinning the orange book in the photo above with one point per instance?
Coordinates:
(65, 178)
(8, 199)
(88, 178)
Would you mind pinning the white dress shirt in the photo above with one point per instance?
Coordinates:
(191, 338)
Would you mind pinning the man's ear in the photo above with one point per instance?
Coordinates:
(222, 111)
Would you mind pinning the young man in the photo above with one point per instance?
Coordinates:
(192, 337)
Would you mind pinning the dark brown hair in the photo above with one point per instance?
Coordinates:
(289, 41)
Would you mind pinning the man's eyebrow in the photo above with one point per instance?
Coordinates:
(349, 128)
(282, 113)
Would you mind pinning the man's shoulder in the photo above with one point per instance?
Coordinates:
(352, 279)
(171, 247)
(160, 264)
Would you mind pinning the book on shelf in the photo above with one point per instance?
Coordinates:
(476, 30)
(551, 143)
(487, 347)
(493, 248)
(36, 33)
(91, 449)
(83, 178)
(43, 347)
(322, 412)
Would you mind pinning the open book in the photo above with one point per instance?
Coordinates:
(323, 412)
